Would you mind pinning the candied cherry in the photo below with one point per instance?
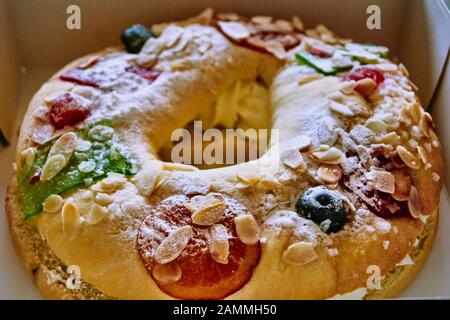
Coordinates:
(322, 53)
(67, 111)
(365, 72)
(147, 73)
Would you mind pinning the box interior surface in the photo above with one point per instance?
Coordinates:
(36, 43)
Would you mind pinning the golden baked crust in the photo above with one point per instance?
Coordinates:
(192, 79)
(23, 234)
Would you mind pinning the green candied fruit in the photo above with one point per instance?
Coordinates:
(325, 66)
(92, 161)
(323, 206)
(135, 37)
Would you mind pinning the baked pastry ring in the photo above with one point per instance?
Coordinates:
(354, 191)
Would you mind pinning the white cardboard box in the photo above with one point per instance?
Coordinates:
(35, 42)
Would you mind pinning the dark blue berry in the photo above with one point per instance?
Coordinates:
(135, 37)
(320, 204)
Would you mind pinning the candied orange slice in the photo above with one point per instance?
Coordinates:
(191, 271)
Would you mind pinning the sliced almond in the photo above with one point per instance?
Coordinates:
(71, 222)
(146, 182)
(414, 203)
(59, 155)
(53, 203)
(376, 125)
(103, 199)
(249, 178)
(28, 155)
(101, 133)
(89, 62)
(235, 30)
(65, 145)
(199, 202)
(97, 214)
(283, 25)
(209, 215)
(382, 181)
(172, 246)
(219, 246)
(403, 69)
(340, 109)
(293, 159)
(329, 173)
(276, 48)
(365, 87)
(111, 183)
(415, 112)
(389, 138)
(299, 253)
(300, 143)
(330, 156)
(306, 78)
(261, 19)
(228, 16)
(402, 185)
(426, 124)
(173, 166)
(247, 228)
(52, 167)
(167, 273)
(408, 158)
(422, 154)
(297, 24)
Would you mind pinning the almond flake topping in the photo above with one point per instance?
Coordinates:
(52, 167)
(247, 228)
(382, 180)
(365, 87)
(111, 183)
(389, 138)
(402, 185)
(235, 30)
(206, 210)
(71, 222)
(329, 156)
(28, 155)
(53, 203)
(329, 173)
(299, 253)
(293, 159)
(340, 109)
(309, 78)
(426, 124)
(414, 203)
(172, 166)
(59, 155)
(376, 125)
(422, 154)
(219, 246)
(146, 182)
(97, 214)
(408, 158)
(172, 246)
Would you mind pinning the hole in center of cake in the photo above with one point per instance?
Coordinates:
(234, 130)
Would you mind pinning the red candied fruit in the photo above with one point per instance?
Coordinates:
(67, 111)
(80, 77)
(320, 52)
(147, 73)
(365, 72)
